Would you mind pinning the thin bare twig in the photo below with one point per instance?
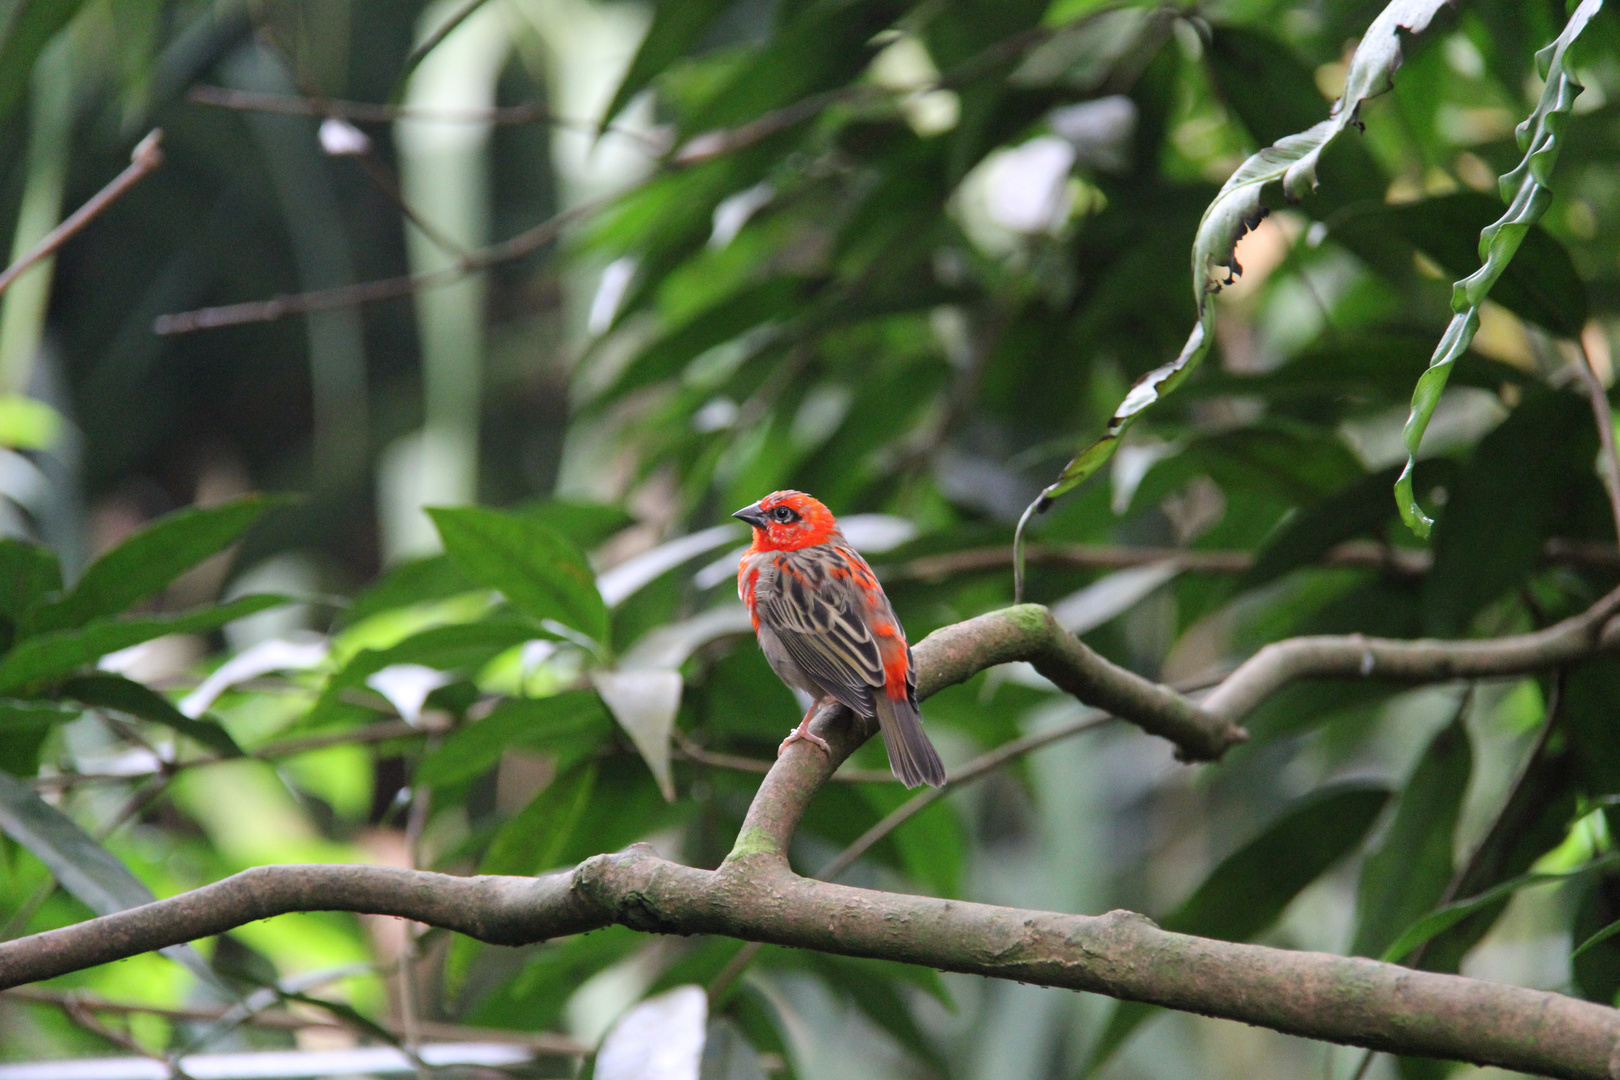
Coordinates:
(539, 1042)
(143, 160)
(367, 292)
(1604, 418)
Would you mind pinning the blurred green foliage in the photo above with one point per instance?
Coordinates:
(909, 257)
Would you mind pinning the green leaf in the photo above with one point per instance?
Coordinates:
(1527, 194)
(536, 838)
(415, 582)
(456, 647)
(645, 702)
(1409, 872)
(1437, 922)
(61, 652)
(148, 561)
(28, 574)
(25, 30)
(676, 27)
(1521, 487)
(128, 696)
(88, 871)
(1252, 887)
(1541, 284)
(23, 727)
(1236, 209)
(566, 725)
(540, 571)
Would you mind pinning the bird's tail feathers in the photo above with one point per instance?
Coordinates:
(911, 756)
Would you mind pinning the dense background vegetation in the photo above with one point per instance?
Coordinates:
(906, 257)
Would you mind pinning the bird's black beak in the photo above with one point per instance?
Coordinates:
(753, 515)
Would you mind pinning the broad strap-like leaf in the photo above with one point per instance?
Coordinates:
(150, 560)
(62, 652)
(103, 691)
(1443, 919)
(29, 574)
(659, 1039)
(540, 572)
(1238, 207)
(1409, 872)
(1527, 194)
(564, 725)
(1252, 887)
(676, 27)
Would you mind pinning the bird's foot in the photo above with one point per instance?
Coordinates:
(803, 732)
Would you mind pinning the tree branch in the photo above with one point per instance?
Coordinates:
(754, 897)
(143, 160)
(1354, 656)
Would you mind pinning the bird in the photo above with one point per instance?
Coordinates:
(827, 628)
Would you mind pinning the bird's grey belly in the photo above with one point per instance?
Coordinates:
(781, 663)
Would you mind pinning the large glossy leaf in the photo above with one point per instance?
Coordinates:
(540, 571)
(659, 1039)
(1540, 284)
(61, 652)
(28, 575)
(535, 839)
(644, 702)
(128, 696)
(1523, 485)
(150, 560)
(565, 725)
(1252, 887)
(1527, 194)
(1409, 872)
(23, 727)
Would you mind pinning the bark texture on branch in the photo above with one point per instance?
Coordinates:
(755, 897)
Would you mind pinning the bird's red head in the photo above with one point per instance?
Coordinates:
(788, 521)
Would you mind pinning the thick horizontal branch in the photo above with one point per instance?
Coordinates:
(1353, 656)
(754, 897)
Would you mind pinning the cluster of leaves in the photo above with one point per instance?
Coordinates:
(836, 282)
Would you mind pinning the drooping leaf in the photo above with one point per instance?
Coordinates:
(29, 574)
(1540, 283)
(535, 839)
(416, 582)
(128, 696)
(645, 703)
(676, 27)
(1409, 872)
(565, 725)
(1252, 887)
(1436, 922)
(61, 652)
(1527, 194)
(540, 571)
(1238, 207)
(23, 727)
(148, 561)
(1521, 487)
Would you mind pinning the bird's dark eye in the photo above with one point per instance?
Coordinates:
(784, 514)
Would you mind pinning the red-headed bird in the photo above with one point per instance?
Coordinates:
(827, 629)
